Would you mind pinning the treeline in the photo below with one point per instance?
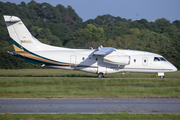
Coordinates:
(62, 26)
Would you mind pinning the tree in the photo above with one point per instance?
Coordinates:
(88, 34)
(177, 24)
(175, 51)
(61, 26)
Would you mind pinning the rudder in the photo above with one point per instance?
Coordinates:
(21, 38)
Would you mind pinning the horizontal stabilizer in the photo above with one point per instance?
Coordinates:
(11, 18)
(104, 51)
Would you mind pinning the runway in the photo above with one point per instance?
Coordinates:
(89, 105)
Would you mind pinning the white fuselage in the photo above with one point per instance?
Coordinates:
(104, 60)
(84, 60)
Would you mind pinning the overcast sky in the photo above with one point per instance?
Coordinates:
(129, 9)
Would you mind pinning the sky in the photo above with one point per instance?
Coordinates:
(129, 9)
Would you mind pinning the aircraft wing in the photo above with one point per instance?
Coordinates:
(104, 51)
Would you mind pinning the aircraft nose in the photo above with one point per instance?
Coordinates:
(174, 69)
(171, 67)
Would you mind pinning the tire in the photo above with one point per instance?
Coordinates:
(100, 75)
(161, 77)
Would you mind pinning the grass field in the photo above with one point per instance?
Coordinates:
(71, 73)
(53, 83)
(56, 83)
(124, 116)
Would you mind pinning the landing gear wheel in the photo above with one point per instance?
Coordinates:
(100, 75)
(161, 76)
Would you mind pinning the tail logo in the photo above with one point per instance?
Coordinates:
(26, 41)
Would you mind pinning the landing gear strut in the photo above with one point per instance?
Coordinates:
(161, 75)
(100, 75)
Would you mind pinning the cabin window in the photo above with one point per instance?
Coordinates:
(134, 60)
(83, 58)
(89, 58)
(144, 61)
(96, 58)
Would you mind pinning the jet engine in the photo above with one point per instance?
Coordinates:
(117, 59)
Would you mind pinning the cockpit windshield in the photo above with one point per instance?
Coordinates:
(159, 59)
(162, 59)
(156, 59)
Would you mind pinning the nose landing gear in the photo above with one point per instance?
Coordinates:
(161, 75)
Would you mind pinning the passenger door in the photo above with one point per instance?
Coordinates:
(73, 61)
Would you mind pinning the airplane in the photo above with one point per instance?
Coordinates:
(101, 61)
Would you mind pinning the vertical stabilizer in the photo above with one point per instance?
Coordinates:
(20, 36)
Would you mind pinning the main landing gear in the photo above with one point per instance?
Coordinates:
(100, 75)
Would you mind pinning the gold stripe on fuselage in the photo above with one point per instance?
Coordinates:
(28, 55)
(16, 48)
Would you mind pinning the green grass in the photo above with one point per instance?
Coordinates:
(91, 116)
(66, 87)
(44, 73)
(55, 83)
(71, 73)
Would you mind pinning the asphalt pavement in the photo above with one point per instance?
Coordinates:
(89, 105)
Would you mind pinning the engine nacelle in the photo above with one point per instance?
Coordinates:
(117, 59)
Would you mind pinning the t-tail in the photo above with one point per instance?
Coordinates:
(21, 38)
(25, 45)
